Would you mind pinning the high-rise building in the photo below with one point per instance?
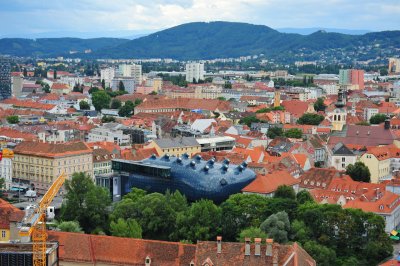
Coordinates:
(134, 71)
(107, 74)
(352, 77)
(5, 78)
(394, 66)
(194, 72)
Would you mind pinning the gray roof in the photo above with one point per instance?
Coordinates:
(341, 149)
(177, 142)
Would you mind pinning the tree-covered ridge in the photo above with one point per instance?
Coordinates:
(54, 46)
(200, 40)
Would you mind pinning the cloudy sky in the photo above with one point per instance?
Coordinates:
(36, 16)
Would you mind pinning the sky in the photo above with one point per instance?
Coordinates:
(37, 16)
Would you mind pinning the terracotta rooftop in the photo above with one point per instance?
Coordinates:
(97, 249)
(318, 177)
(266, 184)
(9, 213)
(52, 150)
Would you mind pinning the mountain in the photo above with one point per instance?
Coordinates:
(201, 40)
(54, 46)
(306, 31)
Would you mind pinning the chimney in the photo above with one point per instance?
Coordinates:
(219, 248)
(257, 246)
(268, 251)
(247, 246)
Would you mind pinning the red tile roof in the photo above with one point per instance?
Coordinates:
(9, 213)
(52, 150)
(28, 104)
(97, 249)
(266, 184)
(59, 86)
(15, 134)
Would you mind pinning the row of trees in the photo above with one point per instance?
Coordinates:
(332, 235)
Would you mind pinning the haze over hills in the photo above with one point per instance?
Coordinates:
(200, 40)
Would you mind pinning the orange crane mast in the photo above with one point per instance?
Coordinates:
(34, 226)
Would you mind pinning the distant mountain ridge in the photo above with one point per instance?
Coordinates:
(201, 40)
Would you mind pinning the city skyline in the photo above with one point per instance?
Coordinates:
(139, 17)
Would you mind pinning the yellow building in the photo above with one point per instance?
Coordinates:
(40, 163)
(9, 216)
(177, 146)
(377, 159)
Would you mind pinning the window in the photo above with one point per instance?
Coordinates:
(343, 165)
(343, 159)
(3, 234)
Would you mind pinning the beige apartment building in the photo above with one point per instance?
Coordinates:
(41, 163)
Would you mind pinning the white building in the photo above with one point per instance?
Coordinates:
(369, 112)
(108, 75)
(340, 157)
(194, 71)
(134, 71)
(129, 84)
(330, 89)
(6, 172)
(111, 132)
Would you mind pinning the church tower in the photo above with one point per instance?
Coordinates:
(338, 117)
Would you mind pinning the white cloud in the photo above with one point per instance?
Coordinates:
(106, 15)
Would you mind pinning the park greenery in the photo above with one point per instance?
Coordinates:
(310, 119)
(377, 119)
(330, 234)
(267, 109)
(13, 119)
(319, 105)
(359, 172)
(274, 132)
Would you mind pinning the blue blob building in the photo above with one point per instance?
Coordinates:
(194, 177)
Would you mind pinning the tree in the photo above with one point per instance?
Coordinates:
(221, 98)
(241, 211)
(285, 192)
(85, 203)
(249, 119)
(2, 186)
(359, 172)
(126, 228)
(323, 255)
(310, 119)
(121, 86)
(83, 105)
(103, 84)
(295, 133)
(228, 85)
(274, 132)
(200, 222)
(277, 226)
(377, 119)
(93, 90)
(55, 74)
(319, 105)
(115, 104)
(107, 119)
(153, 93)
(70, 226)
(304, 196)
(46, 88)
(127, 109)
(13, 119)
(77, 88)
(251, 232)
(100, 100)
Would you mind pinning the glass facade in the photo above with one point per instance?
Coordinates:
(5, 78)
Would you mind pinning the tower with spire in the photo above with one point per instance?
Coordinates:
(338, 116)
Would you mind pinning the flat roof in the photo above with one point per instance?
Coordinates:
(139, 163)
(215, 139)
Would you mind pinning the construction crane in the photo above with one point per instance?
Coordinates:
(34, 226)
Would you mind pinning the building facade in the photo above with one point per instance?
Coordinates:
(194, 72)
(40, 163)
(5, 78)
(352, 77)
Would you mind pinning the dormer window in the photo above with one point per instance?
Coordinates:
(381, 207)
(191, 263)
(147, 261)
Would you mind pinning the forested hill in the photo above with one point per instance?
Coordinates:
(201, 40)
